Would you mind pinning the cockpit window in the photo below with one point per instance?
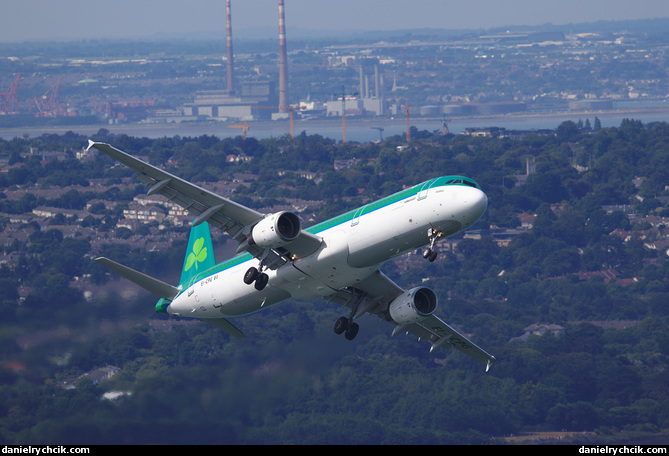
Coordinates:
(461, 181)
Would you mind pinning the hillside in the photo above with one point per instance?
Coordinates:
(565, 280)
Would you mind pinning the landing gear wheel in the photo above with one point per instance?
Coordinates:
(250, 276)
(261, 281)
(430, 255)
(352, 331)
(341, 325)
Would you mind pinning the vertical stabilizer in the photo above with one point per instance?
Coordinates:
(199, 254)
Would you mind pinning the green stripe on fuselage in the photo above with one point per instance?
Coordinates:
(344, 218)
(388, 200)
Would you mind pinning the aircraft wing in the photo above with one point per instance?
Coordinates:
(439, 334)
(232, 218)
(374, 294)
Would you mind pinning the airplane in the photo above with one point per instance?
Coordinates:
(338, 259)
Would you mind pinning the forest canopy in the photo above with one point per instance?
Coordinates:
(573, 305)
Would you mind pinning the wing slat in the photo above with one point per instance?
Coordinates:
(230, 217)
(381, 291)
(439, 334)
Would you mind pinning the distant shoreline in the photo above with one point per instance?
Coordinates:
(358, 128)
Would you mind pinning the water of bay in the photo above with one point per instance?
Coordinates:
(357, 129)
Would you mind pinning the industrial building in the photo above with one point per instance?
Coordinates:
(366, 102)
(254, 99)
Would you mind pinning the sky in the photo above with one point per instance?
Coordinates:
(29, 20)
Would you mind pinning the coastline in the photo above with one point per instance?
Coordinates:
(359, 129)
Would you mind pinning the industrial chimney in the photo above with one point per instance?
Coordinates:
(283, 63)
(231, 64)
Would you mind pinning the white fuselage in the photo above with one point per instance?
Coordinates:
(354, 246)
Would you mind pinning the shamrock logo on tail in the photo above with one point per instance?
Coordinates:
(198, 255)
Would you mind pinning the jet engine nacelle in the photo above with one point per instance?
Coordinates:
(413, 306)
(276, 230)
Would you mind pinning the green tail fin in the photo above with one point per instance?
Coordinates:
(200, 253)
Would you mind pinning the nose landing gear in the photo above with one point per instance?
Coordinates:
(430, 253)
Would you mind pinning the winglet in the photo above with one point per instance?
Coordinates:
(91, 143)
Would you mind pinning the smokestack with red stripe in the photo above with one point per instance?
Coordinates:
(231, 64)
(283, 62)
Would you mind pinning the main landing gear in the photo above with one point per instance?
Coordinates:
(257, 276)
(430, 253)
(347, 327)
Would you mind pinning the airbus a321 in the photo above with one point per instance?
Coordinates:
(338, 259)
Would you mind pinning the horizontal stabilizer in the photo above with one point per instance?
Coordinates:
(225, 325)
(150, 284)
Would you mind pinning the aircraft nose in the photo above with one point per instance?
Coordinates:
(479, 204)
(475, 207)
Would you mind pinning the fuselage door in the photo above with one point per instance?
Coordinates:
(356, 217)
(422, 194)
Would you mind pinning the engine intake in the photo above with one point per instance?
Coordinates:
(413, 306)
(276, 230)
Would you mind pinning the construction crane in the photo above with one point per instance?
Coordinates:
(8, 100)
(380, 132)
(291, 113)
(406, 107)
(48, 105)
(343, 113)
(244, 128)
(292, 110)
